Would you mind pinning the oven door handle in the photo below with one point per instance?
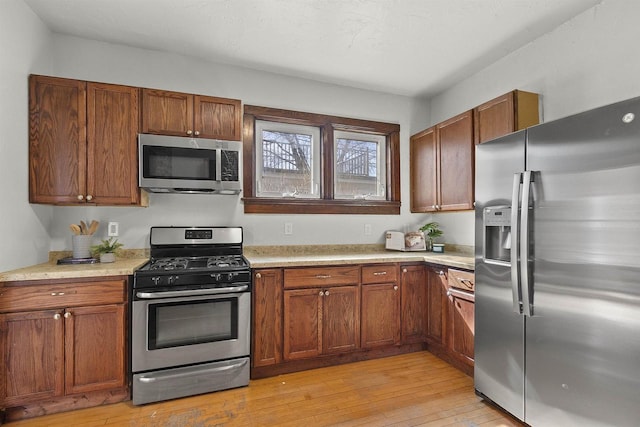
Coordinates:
(191, 292)
(161, 377)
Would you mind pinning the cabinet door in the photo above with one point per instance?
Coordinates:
(302, 329)
(94, 348)
(494, 118)
(340, 319)
(424, 171)
(267, 317)
(32, 354)
(57, 140)
(456, 168)
(437, 306)
(167, 113)
(112, 156)
(462, 332)
(414, 303)
(505, 114)
(380, 315)
(217, 118)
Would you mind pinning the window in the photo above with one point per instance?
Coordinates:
(287, 160)
(359, 166)
(297, 162)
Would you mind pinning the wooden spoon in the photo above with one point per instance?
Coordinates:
(75, 229)
(93, 227)
(83, 227)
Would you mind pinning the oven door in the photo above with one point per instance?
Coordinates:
(176, 331)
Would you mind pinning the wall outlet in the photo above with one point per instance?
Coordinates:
(288, 228)
(367, 229)
(113, 229)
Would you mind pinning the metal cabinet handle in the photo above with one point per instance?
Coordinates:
(440, 273)
(323, 276)
(395, 287)
(258, 276)
(189, 132)
(80, 197)
(404, 270)
(57, 316)
(380, 273)
(57, 294)
(321, 293)
(67, 315)
(89, 197)
(437, 207)
(326, 293)
(196, 133)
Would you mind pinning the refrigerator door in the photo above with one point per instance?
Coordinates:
(583, 339)
(499, 329)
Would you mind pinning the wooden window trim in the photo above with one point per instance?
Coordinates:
(327, 204)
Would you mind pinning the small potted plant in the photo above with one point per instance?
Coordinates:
(431, 231)
(107, 249)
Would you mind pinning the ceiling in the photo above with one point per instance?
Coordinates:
(404, 47)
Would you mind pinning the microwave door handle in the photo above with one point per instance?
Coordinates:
(218, 165)
(515, 267)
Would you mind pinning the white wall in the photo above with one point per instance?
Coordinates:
(590, 61)
(89, 60)
(24, 46)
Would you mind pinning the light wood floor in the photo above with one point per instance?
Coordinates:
(416, 389)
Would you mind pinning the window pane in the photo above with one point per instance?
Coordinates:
(288, 162)
(359, 166)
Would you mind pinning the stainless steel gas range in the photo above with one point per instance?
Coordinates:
(191, 311)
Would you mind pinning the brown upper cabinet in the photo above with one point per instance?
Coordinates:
(182, 114)
(508, 113)
(442, 166)
(442, 157)
(82, 142)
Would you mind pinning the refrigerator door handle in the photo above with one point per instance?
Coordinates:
(527, 292)
(515, 267)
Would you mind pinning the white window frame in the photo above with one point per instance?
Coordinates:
(381, 164)
(316, 176)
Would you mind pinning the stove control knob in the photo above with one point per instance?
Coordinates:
(231, 276)
(155, 280)
(216, 276)
(171, 280)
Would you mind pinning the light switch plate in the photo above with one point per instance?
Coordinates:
(113, 229)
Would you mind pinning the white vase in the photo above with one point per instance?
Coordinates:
(81, 244)
(108, 257)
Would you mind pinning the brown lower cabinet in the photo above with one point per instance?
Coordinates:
(63, 345)
(319, 316)
(321, 311)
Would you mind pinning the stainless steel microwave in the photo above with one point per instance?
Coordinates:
(172, 164)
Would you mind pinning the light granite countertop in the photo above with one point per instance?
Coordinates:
(258, 257)
(128, 261)
(298, 256)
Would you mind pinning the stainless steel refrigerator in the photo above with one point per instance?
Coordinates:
(558, 270)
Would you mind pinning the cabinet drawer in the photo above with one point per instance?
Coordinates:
(461, 279)
(38, 297)
(380, 273)
(321, 276)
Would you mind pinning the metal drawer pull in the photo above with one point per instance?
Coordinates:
(323, 276)
(57, 294)
(187, 374)
(459, 293)
(380, 273)
(466, 282)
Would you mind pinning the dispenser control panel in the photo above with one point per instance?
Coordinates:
(497, 235)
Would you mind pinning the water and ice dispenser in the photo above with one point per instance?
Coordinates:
(497, 234)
